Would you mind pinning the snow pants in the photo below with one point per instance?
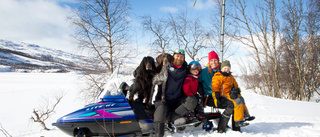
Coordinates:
(174, 108)
(240, 109)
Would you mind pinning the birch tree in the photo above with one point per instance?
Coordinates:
(102, 28)
(159, 28)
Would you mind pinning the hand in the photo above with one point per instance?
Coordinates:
(238, 91)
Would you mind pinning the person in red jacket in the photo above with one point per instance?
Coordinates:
(190, 89)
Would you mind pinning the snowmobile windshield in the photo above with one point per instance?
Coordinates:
(109, 89)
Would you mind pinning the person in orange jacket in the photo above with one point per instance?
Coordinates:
(226, 90)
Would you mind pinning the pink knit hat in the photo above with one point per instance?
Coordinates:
(213, 55)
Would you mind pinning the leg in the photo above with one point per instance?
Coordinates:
(151, 94)
(223, 123)
(124, 87)
(141, 96)
(238, 114)
(235, 127)
(159, 118)
(247, 116)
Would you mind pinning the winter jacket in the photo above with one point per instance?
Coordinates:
(190, 85)
(206, 79)
(223, 84)
(174, 83)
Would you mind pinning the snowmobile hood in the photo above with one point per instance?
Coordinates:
(111, 107)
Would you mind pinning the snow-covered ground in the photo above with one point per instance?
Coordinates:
(20, 93)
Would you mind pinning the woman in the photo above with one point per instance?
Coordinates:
(206, 75)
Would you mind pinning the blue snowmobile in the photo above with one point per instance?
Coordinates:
(114, 116)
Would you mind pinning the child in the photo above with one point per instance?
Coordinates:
(222, 83)
(190, 88)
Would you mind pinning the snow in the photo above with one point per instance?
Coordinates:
(20, 93)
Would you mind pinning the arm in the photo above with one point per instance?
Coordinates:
(186, 87)
(234, 82)
(216, 89)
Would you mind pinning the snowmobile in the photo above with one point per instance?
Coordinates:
(114, 116)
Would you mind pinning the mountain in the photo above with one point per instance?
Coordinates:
(30, 57)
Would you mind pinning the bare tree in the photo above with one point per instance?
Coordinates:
(312, 28)
(93, 86)
(47, 108)
(259, 32)
(160, 29)
(188, 34)
(302, 48)
(102, 28)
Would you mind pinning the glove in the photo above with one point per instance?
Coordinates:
(216, 99)
(234, 93)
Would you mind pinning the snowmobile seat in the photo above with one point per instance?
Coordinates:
(141, 111)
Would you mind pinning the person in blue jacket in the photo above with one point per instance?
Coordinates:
(206, 75)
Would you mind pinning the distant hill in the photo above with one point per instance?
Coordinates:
(33, 58)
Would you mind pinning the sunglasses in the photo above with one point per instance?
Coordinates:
(179, 51)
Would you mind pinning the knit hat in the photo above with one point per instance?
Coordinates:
(213, 55)
(225, 63)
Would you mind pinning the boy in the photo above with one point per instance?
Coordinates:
(222, 84)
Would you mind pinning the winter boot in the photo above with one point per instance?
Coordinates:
(241, 123)
(235, 126)
(191, 117)
(250, 118)
(159, 129)
(200, 113)
(223, 122)
(171, 127)
(124, 87)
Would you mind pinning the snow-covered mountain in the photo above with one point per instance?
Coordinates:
(19, 56)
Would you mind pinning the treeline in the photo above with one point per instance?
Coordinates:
(284, 41)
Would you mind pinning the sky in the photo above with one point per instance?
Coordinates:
(44, 22)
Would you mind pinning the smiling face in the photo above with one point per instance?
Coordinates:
(225, 69)
(194, 71)
(214, 63)
(178, 59)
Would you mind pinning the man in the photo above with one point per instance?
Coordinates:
(175, 104)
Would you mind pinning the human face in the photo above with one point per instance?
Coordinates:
(214, 63)
(225, 69)
(194, 71)
(178, 59)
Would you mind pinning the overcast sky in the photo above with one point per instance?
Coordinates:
(43, 22)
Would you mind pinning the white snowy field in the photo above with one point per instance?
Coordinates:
(20, 93)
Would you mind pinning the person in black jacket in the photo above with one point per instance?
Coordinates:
(175, 103)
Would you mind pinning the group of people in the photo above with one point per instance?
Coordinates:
(188, 84)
